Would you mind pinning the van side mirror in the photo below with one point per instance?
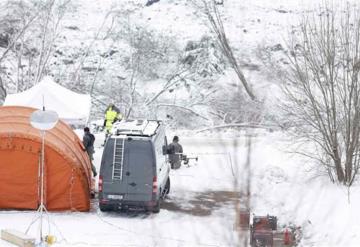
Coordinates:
(164, 150)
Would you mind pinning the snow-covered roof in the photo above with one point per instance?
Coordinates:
(73, 108)
(135, 127)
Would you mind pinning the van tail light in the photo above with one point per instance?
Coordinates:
(155, 187)
(100, 183)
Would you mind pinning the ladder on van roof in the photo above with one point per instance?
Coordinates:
(118, 160)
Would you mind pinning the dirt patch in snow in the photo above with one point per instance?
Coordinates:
(201, 204)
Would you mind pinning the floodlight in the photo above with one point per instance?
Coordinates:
(42, 120)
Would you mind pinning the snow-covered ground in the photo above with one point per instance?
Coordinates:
(200, 210)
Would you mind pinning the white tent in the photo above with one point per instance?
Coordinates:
(71, 107)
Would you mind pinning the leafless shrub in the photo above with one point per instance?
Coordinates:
(203, 57)
(323, 90)
(231, 106)
(141, 55)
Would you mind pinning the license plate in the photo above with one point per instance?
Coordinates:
(115, 197)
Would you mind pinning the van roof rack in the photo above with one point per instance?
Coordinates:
(139, 127)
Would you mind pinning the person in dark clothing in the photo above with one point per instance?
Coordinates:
(88, 141)
(176, 151)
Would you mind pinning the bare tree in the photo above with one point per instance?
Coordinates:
(323, 90)
(32, 28)
(148, 55)
(16, 18)
(171, 81)
(10, 21)
(2, 91)
(52, 14)
(97, 36)
(212, 13)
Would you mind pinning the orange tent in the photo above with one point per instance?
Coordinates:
(67, 166)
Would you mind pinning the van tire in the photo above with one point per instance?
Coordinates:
(167, 187)
(104, 208)
(166, 190)
(156, 208)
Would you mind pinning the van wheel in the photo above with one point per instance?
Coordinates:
(153, 209)
(167, 187)
(156, 208)
(104, 208)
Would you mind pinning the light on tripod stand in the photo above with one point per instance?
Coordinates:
(43, 120)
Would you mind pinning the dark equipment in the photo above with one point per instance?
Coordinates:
(186, 159)
(262, 231)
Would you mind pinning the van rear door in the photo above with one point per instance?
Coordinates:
(113, 167)
(140, 168)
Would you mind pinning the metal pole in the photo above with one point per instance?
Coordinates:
(42, 183)
(39, 179)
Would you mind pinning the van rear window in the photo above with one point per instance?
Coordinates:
(141, 157)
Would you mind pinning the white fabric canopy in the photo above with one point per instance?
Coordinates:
(73, 108)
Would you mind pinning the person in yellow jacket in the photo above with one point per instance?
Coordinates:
(112, 114)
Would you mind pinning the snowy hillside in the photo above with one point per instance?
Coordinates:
(180, 77)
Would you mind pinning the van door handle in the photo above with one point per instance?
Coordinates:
(127, 173)
(132, 184)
